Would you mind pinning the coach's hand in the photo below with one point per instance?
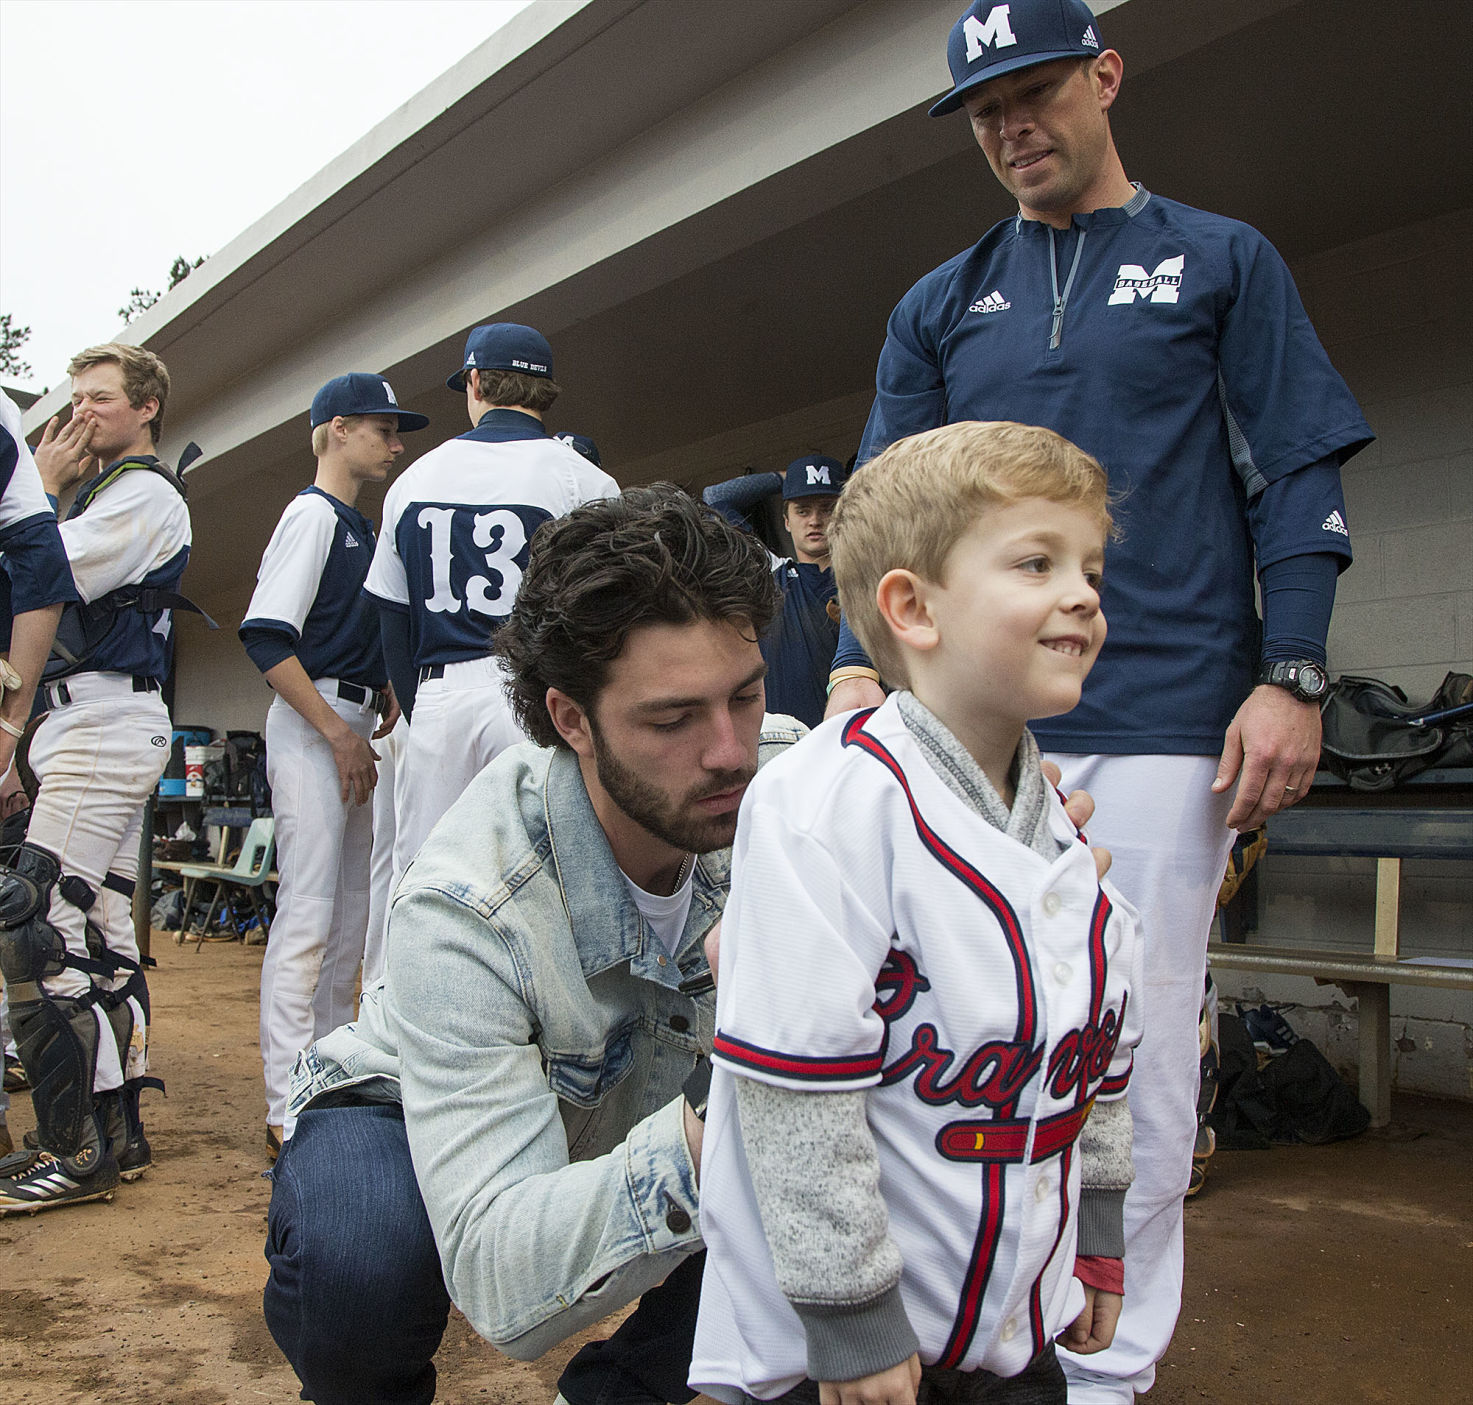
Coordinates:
(895, 1386)
(1271, 749)
(1080, 807)
(355, 760)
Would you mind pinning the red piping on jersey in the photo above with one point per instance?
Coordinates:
(855, 735)
(979, 1270)
(802, 1066)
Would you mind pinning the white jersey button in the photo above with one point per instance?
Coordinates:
(1041, 1191)
(1062, 972)
(1009, 1329)
(1051, 904)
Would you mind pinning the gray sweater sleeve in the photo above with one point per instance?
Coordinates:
(816, 1177)
(1106, 1171)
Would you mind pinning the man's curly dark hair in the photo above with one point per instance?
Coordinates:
(653, 555)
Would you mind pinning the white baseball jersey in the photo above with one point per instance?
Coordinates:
(457, 524)
(882, 935)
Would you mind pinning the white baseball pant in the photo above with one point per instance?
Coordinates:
(1170, 841)
(385, 833)
(310, 973)
(97, 758)
(462, 722)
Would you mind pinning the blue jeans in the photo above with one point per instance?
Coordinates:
(356, 1299)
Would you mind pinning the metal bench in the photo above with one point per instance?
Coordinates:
(1388, 834)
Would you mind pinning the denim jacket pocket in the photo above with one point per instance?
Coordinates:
(585, 1079)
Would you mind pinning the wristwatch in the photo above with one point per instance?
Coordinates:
(1304, 678)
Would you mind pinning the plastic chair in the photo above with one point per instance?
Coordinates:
(248, 873)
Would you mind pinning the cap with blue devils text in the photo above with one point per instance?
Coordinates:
(361, 393)
(504, 346)
(583, 444)
(813, 476)
(992, 39)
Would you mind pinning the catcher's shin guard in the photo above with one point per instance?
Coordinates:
(56, 1035)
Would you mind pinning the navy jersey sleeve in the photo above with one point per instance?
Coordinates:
(35, 561)
(738, 498)
(910, 394)
(1286, 405)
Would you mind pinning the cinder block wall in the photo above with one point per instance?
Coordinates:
(1395, 313)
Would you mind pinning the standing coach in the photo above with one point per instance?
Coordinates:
(1172, 345)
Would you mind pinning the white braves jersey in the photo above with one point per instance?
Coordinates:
(882, 935)
(457, 524)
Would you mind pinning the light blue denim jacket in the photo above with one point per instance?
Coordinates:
(530, 1025)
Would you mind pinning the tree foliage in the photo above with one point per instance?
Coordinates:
(141, 299)
(12, 338)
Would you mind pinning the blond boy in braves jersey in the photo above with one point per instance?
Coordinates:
(918, 1144)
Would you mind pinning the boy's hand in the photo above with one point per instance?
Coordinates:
(1094, 1329)
(1080, 808)
(63, 456)
(896, 1386)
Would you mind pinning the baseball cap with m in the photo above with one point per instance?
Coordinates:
(504, 346)
(813, 476)
(361, 393)
(992, 39)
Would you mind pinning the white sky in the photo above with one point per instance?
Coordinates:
(134, 131)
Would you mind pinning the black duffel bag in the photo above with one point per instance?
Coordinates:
(1374, 738)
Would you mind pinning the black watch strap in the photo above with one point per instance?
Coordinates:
(697, 1087)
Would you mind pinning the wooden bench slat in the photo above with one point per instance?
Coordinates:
(1361, 833)
(1354, 966)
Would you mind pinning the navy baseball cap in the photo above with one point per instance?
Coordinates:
(584, 445)
(813, 476)
(361, 393)
(992, 39)
(504, 346)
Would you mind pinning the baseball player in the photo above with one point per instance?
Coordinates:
(315, 637)
(1171, 345)
(35, 581)
(446, 570)
(82, 1022)
(799, 648)
(896, 1168)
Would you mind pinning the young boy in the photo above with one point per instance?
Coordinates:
(918, 1144)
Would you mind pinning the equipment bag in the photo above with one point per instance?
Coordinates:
(1374, 738)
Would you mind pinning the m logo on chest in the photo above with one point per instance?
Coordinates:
(1162, 284)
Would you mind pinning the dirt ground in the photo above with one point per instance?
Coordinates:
(1315, 1275)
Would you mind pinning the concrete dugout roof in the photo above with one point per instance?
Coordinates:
(710, 211)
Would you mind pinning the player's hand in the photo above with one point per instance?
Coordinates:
(1080, 807)
(1094, 1329)
(852, 693)
(357, 768)
(1271, 749)
(63, 457)
(391, 715)
(895, 1386)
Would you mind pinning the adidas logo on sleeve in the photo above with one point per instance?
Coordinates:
(1335, 523)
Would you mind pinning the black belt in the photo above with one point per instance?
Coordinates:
(357, 693)
(63, 694)
(431, 670)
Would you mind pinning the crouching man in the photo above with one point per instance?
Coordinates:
(504, 1125)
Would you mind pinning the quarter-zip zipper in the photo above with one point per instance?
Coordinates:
(1061, 300)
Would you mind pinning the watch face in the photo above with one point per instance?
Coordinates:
(1312, 681)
